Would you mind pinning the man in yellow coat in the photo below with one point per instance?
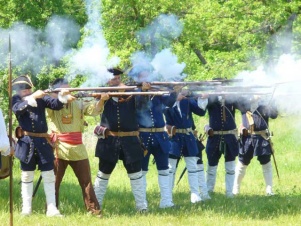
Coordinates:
(66, 128)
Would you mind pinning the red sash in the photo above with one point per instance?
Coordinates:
(74, 138)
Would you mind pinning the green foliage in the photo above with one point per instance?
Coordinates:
(220, 38)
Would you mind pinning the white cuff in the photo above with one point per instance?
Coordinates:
(202, 103)
(63, 99)
(31, 101)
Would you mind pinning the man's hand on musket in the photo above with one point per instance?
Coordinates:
(145, 86)
(38, 94)
(65, 96)
(104, 96)
(100, 104)
(177, 88)
(183, 94)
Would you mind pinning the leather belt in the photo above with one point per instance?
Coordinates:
(227, 132)
(46, 135)
(186, 131)
(123, 134)
(152, 130)
(262, 133)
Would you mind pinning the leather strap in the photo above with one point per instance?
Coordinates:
(152, 130)
(123, 134)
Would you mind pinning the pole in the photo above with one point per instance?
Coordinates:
(10, 135)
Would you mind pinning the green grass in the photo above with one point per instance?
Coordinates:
(251, 207)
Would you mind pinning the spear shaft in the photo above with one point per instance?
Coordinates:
(10, 124)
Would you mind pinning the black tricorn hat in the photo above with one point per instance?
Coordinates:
(116, 71)
(58, 82)
(22, 82)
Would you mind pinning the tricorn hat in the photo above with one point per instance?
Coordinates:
(58, 82)
(115, 71)
(22, 82)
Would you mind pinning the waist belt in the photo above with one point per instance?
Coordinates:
(123, 134)
(152, 130)
(227, 132)
(186, 131)
(46, 135)
(262, 133)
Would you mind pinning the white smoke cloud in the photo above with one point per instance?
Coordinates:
(161, 31)
(32, 49)
(284, 82)
(167, 67)
(156, 39)
(92, 59)
(61, 33)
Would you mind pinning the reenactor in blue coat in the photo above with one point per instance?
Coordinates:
(33, 146)
(183, 142)
(153, 134)
(255, 141)
(222, 139)
(119, 139)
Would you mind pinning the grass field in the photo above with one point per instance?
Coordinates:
(251, 207)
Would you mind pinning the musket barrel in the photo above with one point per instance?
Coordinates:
(117, 94)
(105, 89)
(231, 93)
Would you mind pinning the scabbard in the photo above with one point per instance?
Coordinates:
(274, 159)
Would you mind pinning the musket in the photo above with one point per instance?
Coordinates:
(195, 94)
(117, 94)
(189, 83)
(101, 89)
(256, 87)
(10, 124)
(172, 84)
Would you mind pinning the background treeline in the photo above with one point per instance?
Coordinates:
(220, 38)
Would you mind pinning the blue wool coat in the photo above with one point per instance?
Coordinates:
(153, 117)
(218, 123)
(257, 143)
(120, 116)
(33, 119)
(183, 142)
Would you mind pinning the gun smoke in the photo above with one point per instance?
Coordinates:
(32, 49)
(158, 58)
(92, 59)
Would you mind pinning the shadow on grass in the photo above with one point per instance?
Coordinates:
(119, 201)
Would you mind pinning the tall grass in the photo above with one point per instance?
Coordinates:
(251, 207)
